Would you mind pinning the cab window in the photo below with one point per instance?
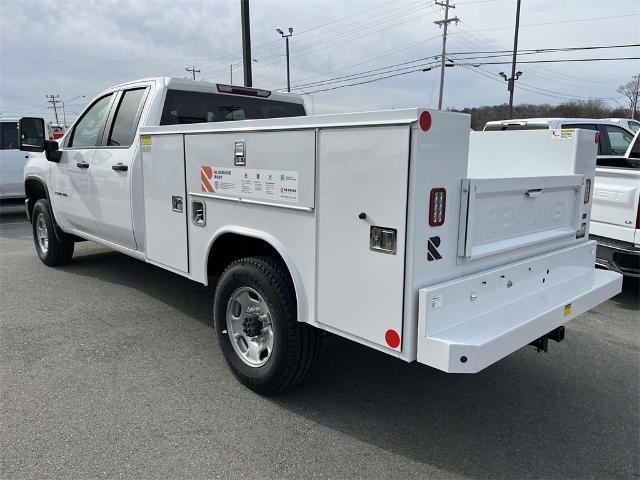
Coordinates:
(619, 139)
(125, 124)
(181, 107)
(88, 131)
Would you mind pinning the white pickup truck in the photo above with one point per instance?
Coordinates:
(394, 229)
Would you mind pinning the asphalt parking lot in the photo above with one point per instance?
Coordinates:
(109, 368)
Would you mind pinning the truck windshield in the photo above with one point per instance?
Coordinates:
(182, 107)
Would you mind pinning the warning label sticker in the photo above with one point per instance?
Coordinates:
(272, 185)
(563, 134)
(145, 140)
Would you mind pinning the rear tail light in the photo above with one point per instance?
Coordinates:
(437, 206)
(587, 190)
(251, 92)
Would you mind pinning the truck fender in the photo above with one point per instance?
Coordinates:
(29, 181)
(298, 284)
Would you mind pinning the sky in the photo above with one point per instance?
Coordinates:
(77, 48)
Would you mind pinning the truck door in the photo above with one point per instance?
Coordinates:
(111, 169)
(71, 194)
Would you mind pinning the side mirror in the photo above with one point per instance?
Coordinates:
(31, 136)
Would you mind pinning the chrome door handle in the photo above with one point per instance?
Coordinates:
(120, 167)
(82, 165)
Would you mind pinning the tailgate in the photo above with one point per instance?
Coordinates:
(504, 214)
(467, 324)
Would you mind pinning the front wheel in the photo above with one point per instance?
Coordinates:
(51, 251)
(257, 328)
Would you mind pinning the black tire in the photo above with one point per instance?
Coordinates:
(295, 345)
(56, 252)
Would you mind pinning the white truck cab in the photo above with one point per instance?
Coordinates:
(399, 229)
(12, 160)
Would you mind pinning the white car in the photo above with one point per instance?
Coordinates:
(628, 123)
(12, 160)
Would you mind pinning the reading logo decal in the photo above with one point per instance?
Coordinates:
(432, 249)
(206, 174)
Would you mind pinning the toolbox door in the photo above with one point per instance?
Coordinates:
(362, 193)
(165, 206)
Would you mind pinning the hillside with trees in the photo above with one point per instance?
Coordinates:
(574, 109)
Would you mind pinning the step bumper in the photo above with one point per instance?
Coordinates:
(467, 324)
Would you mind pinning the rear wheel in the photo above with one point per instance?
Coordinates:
(257, 328)
(51, 251)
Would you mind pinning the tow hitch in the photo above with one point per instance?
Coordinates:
(542, 343)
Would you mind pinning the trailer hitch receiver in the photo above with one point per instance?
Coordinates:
(542, 343)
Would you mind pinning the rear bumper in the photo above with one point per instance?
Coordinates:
(621, 257)
(468, 324)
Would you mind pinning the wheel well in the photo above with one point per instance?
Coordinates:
(232, 246)
(34, 191)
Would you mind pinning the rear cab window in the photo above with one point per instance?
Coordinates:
(8, 136)
(184, 107)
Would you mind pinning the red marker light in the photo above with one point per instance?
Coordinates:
(425, 121)
(392, 338)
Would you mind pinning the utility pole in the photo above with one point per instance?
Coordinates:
(444, 23)
(193, 71)
(286, 38)
(514, 75)
(53, 100)
(231, 74)
(246, 42)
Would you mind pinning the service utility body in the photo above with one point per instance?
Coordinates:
(399, 230)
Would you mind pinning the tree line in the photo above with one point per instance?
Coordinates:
(591, 108)
(571, 109)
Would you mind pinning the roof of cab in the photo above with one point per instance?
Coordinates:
(174, 83)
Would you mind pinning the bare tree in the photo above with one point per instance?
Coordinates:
(631, 90)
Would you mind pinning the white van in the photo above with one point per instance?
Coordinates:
(12, 160)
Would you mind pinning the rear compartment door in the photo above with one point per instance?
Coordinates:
(360, 289)
(503, 214)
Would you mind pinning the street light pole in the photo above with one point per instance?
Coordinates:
(286, 38)
(513, 78)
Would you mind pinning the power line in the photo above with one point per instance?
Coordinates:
(420, 68)
(380, 70)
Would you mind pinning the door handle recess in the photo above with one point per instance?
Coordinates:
(120, 167)
(82, 165)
